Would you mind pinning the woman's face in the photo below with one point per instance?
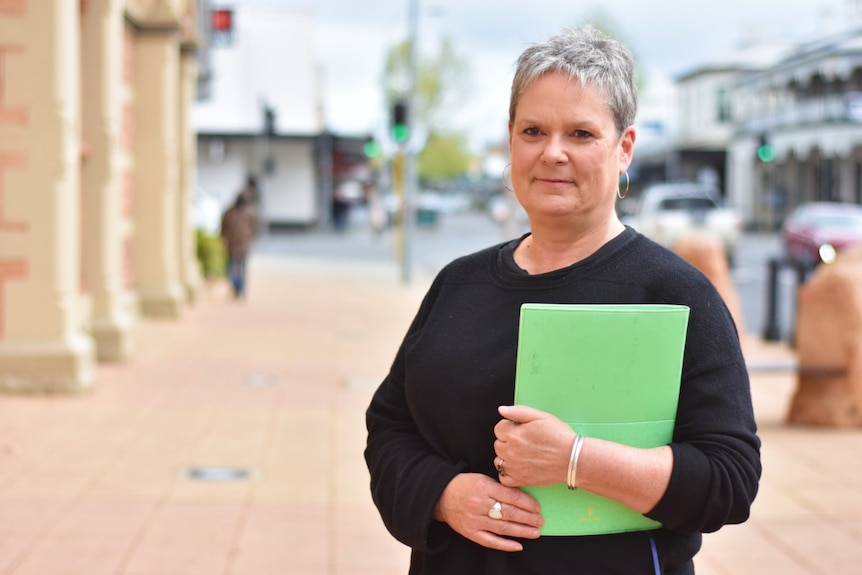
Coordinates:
(566, 154)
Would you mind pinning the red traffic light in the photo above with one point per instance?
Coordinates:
(222, 20)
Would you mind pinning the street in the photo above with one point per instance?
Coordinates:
(463, 232)
(751, 279)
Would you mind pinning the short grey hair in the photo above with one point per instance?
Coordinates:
(588, 56)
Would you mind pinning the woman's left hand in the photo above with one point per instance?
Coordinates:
(533, 447)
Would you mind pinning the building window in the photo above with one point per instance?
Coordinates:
(724, 112)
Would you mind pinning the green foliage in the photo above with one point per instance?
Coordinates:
(601, 19)
(440, 82)
(211, 254)
(445, 157)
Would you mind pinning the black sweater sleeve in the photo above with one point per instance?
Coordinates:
(716, 449)
(407, 475)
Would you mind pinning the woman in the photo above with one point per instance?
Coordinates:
(444, 450)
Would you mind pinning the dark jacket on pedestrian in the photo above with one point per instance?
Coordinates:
(238, 227)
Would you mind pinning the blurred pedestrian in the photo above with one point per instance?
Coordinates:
(238, 228)
(347, 194)
(376, 209)
(251, 191)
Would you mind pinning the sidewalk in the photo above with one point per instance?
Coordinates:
(273, 390)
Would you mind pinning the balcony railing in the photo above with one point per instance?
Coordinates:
(838, 108)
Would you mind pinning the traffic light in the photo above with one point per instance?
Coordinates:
(269, 120)
(400, 129)
(765, 151)
(221, 27)
(371, 148)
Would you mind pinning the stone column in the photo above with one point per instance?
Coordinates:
(42, 345)
(101, 179)
(190, 272)
(156, 171)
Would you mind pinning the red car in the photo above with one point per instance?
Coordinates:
(816, 231)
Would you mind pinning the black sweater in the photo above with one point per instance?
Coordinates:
(433, 415)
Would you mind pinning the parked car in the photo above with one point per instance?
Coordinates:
(816, 231)
(668, 211)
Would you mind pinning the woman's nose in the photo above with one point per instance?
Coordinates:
(553, 152)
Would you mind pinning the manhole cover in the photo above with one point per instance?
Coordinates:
(360, 383)
(260, 379)
(218, 474)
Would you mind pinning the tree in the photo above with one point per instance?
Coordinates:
(439, 82)
(440, 86)
(445, 157)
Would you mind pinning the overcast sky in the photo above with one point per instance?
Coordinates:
(668, 37)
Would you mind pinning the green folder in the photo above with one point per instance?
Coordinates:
(609, 371)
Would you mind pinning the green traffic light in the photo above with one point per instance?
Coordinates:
(765, 153)
(400, 132)
(372, 149)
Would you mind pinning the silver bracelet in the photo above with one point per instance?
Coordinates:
(573, 462)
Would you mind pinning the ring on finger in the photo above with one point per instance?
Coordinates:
(496, 511)
(499, 467)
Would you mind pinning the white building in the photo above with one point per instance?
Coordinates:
(264, 61)
(801, 102)
(693, 143)
(807, 109)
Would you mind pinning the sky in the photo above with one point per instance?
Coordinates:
(668, 38)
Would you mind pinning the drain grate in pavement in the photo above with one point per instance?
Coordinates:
(219, 474)
(359, 383)
(259, 379)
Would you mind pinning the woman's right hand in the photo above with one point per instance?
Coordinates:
(464, 506)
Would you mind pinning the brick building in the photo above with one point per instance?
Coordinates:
(96, 166)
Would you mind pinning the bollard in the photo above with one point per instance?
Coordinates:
(802, 273)
(828, 342)
(772, 331)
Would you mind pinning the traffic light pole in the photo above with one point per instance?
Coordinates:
(410, 179)
(407, 216)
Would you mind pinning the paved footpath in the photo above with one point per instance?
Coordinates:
(232, 445)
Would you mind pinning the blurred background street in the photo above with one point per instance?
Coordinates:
(151, 423)
(463, 231)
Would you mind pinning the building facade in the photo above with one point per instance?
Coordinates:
(806, 111)
(704, 125)
(97, 161)
(771, 125)
(263, 117)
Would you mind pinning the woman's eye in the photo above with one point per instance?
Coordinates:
(532, 131)
(582, 134)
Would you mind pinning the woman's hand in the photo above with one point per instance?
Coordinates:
(533, 447)
(465, 503)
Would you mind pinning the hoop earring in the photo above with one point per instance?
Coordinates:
(504, 179)
(625, 193)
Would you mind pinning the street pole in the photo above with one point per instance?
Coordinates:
(410, 179)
